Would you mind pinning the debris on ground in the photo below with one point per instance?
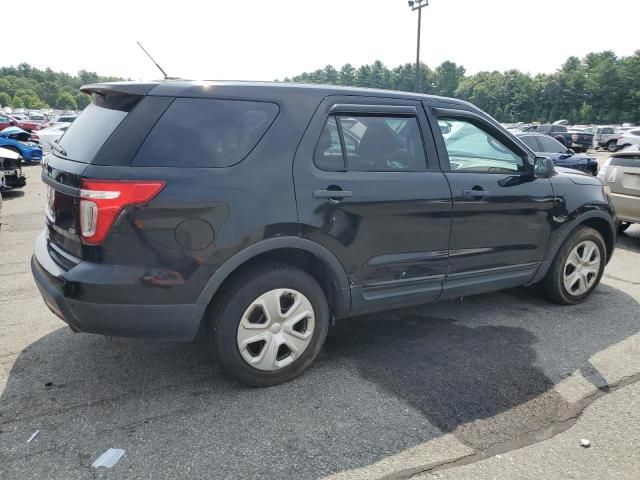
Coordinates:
(585, 443)
(109, 458)
(33, 436)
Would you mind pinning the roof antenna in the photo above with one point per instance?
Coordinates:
(166, 77)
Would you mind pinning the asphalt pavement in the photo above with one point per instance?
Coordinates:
(464, 378)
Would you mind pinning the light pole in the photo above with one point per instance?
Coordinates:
(418, 5)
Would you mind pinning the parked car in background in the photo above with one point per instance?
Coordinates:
(48, 136)
(628, 139)
(151, 237)
(607, 137)
(11, 175)
(621, 175)
(37, 117)
(60, 120)
(579, 141)
(10, 121)
(18, 140)
(545, 146)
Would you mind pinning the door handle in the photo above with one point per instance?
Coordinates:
(332, 194)
(475, 193)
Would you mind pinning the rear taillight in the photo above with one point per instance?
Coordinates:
(101, 201)
(574, 137)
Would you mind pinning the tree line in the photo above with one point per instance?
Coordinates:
(27, 87)
(599, 88)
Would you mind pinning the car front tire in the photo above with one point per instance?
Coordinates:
(577, 268)
(268, 324)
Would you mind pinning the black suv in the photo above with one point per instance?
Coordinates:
(254, 214)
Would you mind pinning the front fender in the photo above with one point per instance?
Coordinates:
(585, 215)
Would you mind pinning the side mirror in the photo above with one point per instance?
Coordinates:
(12, 122)
(543, 167)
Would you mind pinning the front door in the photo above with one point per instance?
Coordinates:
(501, 211)
(370, 190)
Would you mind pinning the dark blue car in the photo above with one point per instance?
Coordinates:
(545, 146)
(19, 141)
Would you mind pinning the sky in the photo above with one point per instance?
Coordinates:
(267, 40)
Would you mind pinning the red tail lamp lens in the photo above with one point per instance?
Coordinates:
(101, 201)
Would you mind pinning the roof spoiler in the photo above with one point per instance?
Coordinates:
(127, 88)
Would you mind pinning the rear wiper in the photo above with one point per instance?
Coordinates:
(58, 148)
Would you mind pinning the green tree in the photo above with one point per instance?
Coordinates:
(5, 99)
(66, 101)
(82, 100)
(330, 75)
(447, 78)
(347, 75)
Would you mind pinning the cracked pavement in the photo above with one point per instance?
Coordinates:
(456, 378)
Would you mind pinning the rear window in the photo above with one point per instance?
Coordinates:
(196, 132)
(86, 135)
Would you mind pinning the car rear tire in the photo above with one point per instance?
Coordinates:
(577, 268)
(268, 324)
(622, 226)
(612, 146)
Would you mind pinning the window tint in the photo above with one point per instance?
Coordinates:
(89, 132)
(328, 154)
(531, 142)
(471, 149)
(205, 133)
(372, 143)
(551, 145)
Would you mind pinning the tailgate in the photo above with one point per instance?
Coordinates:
(62, 170)
(624, 175)
(63, 190)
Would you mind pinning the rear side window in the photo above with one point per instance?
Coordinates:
(94, 126)
(196, 132)
(371, 143)
(531, 142)
(551, 145)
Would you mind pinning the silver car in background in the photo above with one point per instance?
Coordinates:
(621, 176)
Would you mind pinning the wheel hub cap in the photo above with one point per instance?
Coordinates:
(582, 268)
(275, 329)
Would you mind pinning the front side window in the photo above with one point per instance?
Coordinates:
(372, 143)
(551, 145)
(471, 149)
(201, 132)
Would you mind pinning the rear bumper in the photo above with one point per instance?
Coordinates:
(627, 207)
(162, 322)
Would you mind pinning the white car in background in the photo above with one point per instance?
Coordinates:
(47, 136)
(629, 138)
(61, 120)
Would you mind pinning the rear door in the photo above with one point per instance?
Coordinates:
(370, 190)
(501, 211)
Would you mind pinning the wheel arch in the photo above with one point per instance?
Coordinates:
(305, 254)
(599, 220)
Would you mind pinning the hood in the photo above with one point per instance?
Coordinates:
(6, 153)
(12, 131)
(577, 177)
